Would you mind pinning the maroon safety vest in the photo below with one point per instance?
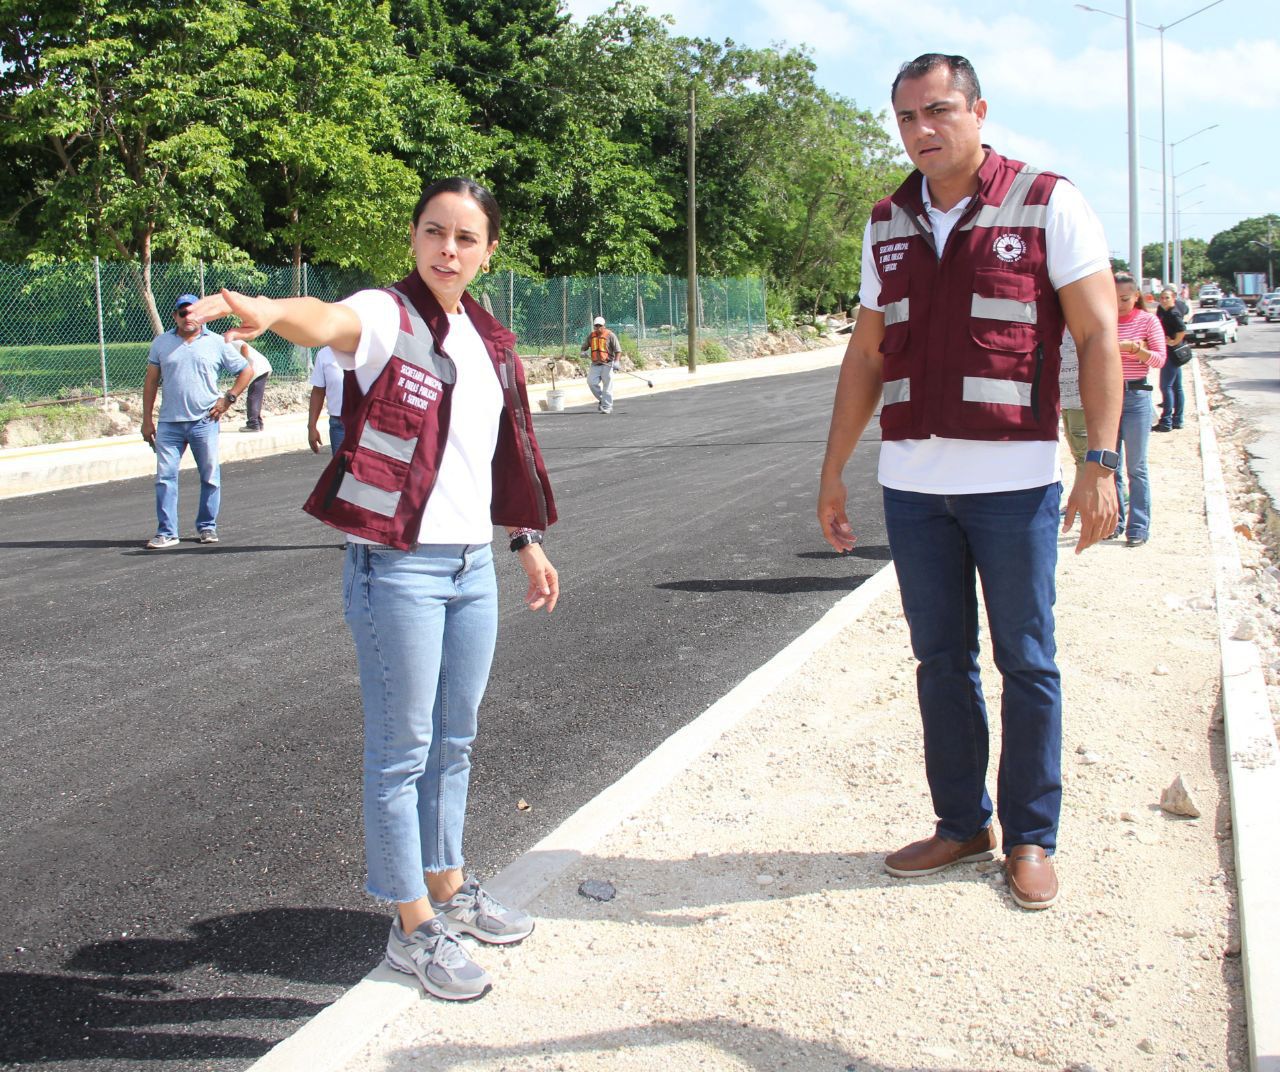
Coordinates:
(378, 483)
(971, 340)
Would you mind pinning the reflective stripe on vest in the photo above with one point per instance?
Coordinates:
(999, 392)
(367, 497)
(897, 391)
(896, 312)
(599, 348)
(899, 225)
(385, 443)
(1015, 312)
(1013, 211)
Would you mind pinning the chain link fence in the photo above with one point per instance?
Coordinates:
(82, 329)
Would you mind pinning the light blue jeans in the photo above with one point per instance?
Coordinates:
(172, 438)
(424, 623)
(1135, 436)
(600, 380)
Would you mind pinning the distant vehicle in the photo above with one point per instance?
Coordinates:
(1269, 306)
(1212, 325)
(1210, 295)
(1237, 308)
(1251, 286)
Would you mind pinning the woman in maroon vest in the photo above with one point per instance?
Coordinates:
(439, 448)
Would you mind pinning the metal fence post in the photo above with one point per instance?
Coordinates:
(201, 263)
(102, 340)
(511, 299)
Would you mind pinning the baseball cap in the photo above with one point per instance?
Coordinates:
(185, 299)
(598, 320)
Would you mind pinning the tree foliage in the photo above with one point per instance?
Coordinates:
(286, 131)
(1247, 247)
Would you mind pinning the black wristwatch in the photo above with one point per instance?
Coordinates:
(1108, 459)
(521, 540)
(230, 398)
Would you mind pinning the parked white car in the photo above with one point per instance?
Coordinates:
(1269, 306)
(1212, 325)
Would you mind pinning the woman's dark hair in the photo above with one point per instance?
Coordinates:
(467, 188)
(963, 76)
(1125, 279)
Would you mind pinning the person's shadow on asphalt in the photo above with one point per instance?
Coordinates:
(114, 991)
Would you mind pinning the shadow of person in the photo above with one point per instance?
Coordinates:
(113, 992)
(327, 946)
(66, 1017)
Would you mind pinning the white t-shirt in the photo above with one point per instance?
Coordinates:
(458, 508)
(1076, 246)
(326, 373)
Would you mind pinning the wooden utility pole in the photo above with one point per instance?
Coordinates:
(692, 303)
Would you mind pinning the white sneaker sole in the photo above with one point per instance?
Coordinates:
(408, 968)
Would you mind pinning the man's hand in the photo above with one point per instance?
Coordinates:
(313, 438)
(1093, 498)
(544, 582)
(832, 502)
(149, 432)
(218, 409)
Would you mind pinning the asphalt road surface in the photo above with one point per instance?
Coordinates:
(181, 845)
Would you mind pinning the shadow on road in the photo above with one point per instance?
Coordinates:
(772, 586)
(113, 993)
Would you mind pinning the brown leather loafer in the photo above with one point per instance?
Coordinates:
(935, 854)
(1032, 881)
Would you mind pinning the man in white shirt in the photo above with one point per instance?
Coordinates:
(968, 274)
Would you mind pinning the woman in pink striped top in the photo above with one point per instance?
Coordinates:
(1141, 349)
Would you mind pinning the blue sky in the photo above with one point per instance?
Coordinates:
(1055, 81)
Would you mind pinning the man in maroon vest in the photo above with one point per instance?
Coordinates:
(971, 270)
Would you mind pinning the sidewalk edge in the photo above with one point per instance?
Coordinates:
(1253, 764)
(328, 1041)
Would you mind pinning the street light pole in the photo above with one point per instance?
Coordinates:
(1131, 19)
(1135, 238)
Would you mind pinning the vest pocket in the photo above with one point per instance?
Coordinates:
(895, 402)
(1003, 313)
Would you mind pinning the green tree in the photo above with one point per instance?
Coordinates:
(122, 109)
(1245, 247)
(1195, 260)
(332, 93)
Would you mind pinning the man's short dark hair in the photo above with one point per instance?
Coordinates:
(963, 76)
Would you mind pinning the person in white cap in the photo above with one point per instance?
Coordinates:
(603, 349)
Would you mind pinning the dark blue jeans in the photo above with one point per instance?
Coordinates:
(941, 544)
(1171, 397)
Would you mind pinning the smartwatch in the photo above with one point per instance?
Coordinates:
(521, 540)
(1108, 459)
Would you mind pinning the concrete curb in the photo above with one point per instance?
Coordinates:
(328, 1041)
(1253, 763)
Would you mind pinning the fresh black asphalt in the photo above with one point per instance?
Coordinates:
(181, 846)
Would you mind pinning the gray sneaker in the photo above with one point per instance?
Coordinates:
(437, 958)
(159, 542)
(472, 911)
(208, 535)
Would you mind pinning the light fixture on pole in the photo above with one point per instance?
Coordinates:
(1268, 247)
(1177, 232)
(1177, 240)
(1129, 17)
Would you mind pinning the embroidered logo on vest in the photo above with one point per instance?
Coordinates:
(1009, 247)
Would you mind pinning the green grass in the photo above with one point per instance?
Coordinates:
(39, 373)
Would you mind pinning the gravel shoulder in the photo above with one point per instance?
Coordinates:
(754, 927)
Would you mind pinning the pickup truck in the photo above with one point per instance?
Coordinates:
(1209, 296)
